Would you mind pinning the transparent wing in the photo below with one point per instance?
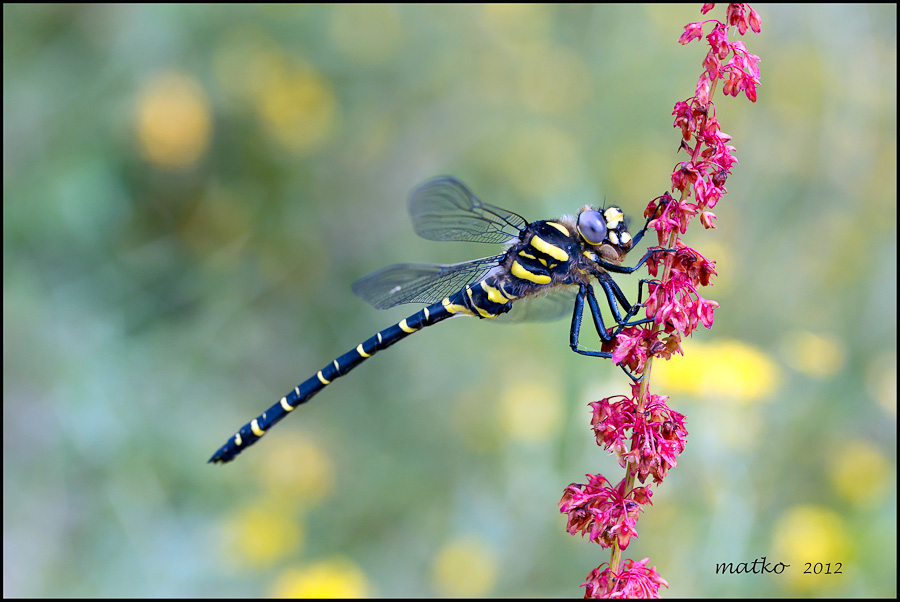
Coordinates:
(443, 208)
(420, 283)
(541, 308)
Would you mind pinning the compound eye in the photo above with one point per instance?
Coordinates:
(592, 227)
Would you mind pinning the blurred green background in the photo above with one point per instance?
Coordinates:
(189, 192)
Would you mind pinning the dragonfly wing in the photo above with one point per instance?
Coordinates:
(541, 308)
(420, 283)
(443, 208)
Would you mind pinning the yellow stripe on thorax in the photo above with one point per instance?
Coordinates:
(519, 272)
(548, 249)
(559, 227)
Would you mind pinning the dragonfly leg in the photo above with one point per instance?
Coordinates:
(613, 293)
(641, 284)
(618, 269)
(586, 291)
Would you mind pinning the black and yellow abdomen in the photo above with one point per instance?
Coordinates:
(480, 299)
(251, 432)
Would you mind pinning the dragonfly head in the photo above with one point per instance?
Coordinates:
(605, 232)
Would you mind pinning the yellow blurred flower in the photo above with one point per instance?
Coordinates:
(811, 534)
(861, 473)
(334, 578)
(722, 369)
(813, 354)
(297, 469)
(258, 535)
(466, 567)
(531, 410)
(172, 120)
(298, 106)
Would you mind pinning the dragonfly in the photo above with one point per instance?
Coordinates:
(540, 257)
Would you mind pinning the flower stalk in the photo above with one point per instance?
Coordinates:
(641, 430)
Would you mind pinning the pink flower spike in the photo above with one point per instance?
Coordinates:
(645, 435)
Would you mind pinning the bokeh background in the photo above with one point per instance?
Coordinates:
(189, 191)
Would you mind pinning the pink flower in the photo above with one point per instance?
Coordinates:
(744, 17)
(684, 118)
(666, 215)
(701, 93)
(707, 194)
(606, 514)
(712, 64)
(673, 303)
(611, 421)
(635, 580)
(632, 347)
(709, 128)
(703, 310)
(718, 40)
(755, 21)
(696, 266)
(692, 31)
(743, 72)
(684, 176)
(651, 439)
(660, 437)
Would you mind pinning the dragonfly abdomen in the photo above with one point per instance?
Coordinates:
(253, 431)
